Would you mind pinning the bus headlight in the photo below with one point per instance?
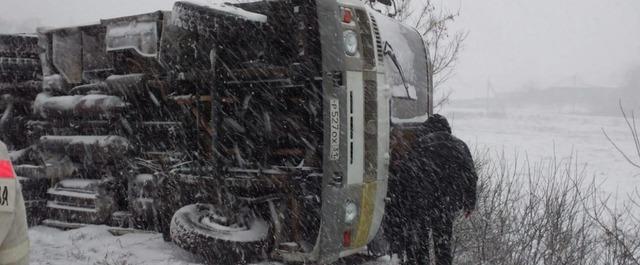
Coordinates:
(350, 42)
(350, 212)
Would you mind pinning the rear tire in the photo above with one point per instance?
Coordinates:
(198, 228)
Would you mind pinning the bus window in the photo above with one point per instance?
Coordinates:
(406, 73)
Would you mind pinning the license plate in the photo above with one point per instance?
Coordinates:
(334, 115)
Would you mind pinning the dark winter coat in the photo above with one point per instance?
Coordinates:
(431, 177)
(449, 177)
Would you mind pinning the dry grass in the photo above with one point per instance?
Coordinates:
(547, 212)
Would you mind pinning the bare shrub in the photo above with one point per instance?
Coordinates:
(630, 120)
(433, 23)
(546, 212)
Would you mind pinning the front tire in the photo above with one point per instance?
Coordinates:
(201, 229)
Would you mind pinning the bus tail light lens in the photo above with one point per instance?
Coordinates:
(347, 15)
(346, 239)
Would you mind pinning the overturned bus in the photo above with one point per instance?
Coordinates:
(242, 132)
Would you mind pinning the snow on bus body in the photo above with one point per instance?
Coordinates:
(140, 33)
(230, 10)
(141, 36)
(109, 141)
(47, 105)
(80, 24)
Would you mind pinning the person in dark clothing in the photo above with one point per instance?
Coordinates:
(433, 180)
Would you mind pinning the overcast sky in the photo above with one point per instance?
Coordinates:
(512, 43)
(516, 43)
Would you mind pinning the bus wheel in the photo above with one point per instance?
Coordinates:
(204, 230)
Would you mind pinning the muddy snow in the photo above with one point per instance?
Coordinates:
(533, 134)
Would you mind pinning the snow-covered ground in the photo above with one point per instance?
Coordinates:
(536, 134)
(539, 134)
(94, 245)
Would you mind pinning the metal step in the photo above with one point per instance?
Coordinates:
(58, 206)
(72, 194)
(62, 225)
(79, 201)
